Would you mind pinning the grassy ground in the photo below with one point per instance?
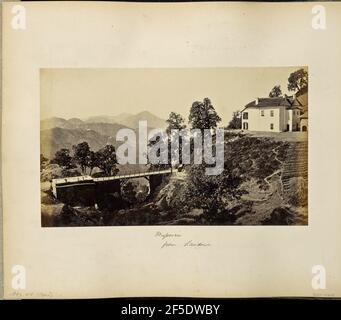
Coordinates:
(280, 136)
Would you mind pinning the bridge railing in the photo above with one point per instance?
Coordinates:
(134, 174)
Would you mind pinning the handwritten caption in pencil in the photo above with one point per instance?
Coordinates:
(170, 240)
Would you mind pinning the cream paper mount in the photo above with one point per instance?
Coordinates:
(78, 222)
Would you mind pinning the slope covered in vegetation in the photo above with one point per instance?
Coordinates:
(255, 188)
(250, 190)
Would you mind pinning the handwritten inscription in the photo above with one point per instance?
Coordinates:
(169, 240)
(42, 295)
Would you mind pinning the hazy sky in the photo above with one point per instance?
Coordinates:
(81, 93)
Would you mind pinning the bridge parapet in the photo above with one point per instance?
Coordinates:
(68, 181)
(135, 175)
(86, 188)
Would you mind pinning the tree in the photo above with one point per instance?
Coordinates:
(236, 122)
(62, 158)
(203, 115)
(92, 161)
(159, 156)
(175, 121)
(81, 153)
(43, 161)
(107, 161)
(275, 92)
(213, 193)
(298, 80)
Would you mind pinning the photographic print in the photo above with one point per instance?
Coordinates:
(191, 146)
(135, 135)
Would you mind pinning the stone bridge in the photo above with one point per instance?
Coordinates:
(88, 191)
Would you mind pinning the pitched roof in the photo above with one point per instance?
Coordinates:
(303, 100)
(295, 103)
(269, 102)
(304, 115)
(302, 91)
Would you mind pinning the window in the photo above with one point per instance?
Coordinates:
(245, 115)
(245, 126)
(271, 126)
(271, 113)
(262, 113)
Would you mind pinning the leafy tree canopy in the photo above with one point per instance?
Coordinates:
(236, 121)
(62, 158)
(175, 121)
(107, 161)
(81, 153)
(298, 80)
(203, 115)
(275, 92)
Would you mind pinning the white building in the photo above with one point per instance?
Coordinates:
(304, 121)
(272, 114)
(302, 97)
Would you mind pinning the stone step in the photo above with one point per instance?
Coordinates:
(290, 172)
(295, 165)
(295, 169)
(298, 170)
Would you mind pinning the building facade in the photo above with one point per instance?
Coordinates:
(304, 121)
(272, 115)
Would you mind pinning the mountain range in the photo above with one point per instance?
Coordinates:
(57, 133)
(130, 120)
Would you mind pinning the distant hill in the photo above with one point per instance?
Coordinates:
(58, 122)
(153, 121)
(52, 140)
(129, 120)
(75, 122)
(107, 129)
(104, 128)
(108, 119)
(58, 133)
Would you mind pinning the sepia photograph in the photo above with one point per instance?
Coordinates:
(184, 150)
(204, 146)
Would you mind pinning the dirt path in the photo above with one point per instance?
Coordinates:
(279, 171)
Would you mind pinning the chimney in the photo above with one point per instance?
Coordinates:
(256, 101)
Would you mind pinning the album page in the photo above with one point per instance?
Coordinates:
(171, 149)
